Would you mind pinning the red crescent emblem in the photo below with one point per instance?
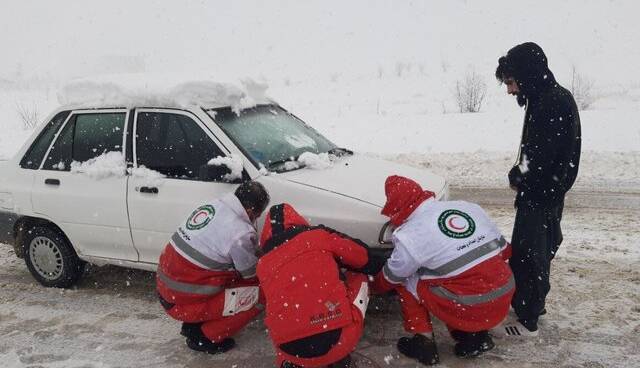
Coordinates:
(195, 218)
(451, 225)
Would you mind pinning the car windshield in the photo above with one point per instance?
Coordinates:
(270, 135)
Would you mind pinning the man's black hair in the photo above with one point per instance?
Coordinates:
(253, 196)
(504, 70)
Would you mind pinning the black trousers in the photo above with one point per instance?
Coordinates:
(535, 240)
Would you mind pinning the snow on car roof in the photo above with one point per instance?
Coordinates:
(152, 90)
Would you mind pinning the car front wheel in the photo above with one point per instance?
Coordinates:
(51, 259)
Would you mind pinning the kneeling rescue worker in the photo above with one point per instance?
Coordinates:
(206, 274)
(448, 260)
(314, 310)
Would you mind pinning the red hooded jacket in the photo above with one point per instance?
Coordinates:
(300, 275)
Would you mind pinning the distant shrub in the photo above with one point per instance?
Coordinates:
(28, 114)
(582, 89)
(470, 92)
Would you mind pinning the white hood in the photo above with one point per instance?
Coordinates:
(362, 177)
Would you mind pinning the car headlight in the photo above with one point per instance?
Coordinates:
(385, 233)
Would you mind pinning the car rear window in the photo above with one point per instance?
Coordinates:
(84, 137)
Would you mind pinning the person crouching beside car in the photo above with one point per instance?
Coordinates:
(206, 274)
(314, 311)
(448, 260)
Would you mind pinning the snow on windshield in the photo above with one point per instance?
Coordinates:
(233, 162)
(300, 141)
(171, 91)
(316, 161)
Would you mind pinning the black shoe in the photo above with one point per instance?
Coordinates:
(543, 312)
(286, 364)
(419, 347)
(191, 330)
(343, 363)
(458, 335)
(472, 344)
(205, 345)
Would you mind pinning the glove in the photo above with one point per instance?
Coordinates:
(515, 177)
(376, 260)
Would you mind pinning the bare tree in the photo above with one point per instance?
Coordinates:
(28, 114)
(582, 89)
(470, 92)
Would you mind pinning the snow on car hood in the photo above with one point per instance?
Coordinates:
(362, 177)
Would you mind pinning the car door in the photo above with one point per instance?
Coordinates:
(174, 144)
(88, 203)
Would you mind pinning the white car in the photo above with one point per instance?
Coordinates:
(109, 185)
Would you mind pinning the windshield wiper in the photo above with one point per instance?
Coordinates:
(283, 161)
(339, 151)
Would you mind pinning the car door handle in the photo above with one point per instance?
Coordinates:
(52, 181)
(152, 190)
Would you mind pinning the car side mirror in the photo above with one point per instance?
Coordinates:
(217, 173)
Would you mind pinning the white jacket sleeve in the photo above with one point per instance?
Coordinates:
(401, 265)
(243, 255)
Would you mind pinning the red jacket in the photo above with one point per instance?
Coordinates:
(300, 275)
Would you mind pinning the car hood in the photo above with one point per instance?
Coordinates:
(362, 177)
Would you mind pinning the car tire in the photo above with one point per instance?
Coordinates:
(51, 259)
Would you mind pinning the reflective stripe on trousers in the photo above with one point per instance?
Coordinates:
(464, 259)
(473, 299)
(184, 287)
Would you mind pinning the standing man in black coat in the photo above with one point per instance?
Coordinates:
(545, 170)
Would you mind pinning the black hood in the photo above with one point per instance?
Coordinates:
(527, 64)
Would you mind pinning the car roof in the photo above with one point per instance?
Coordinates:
(148, 90)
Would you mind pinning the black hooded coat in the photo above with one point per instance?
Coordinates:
(549, 156)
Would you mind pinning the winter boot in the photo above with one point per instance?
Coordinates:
(472, 344)
(419, 347)
(345, 362)
(191, 330)
(205, 345)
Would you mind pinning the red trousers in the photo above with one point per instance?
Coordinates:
(473, 318)
(349, 337)
(217, 326)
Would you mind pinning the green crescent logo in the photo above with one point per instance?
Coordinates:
(200, 217)
(456, 224)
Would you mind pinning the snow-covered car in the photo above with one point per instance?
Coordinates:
(108, 180)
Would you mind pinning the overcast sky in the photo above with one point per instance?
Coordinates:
(301, 38)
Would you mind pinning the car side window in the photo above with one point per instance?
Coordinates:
(84, 137)
(33, 158)
(96, 134)
(173, 144)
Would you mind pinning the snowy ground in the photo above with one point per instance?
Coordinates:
(112, 319)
